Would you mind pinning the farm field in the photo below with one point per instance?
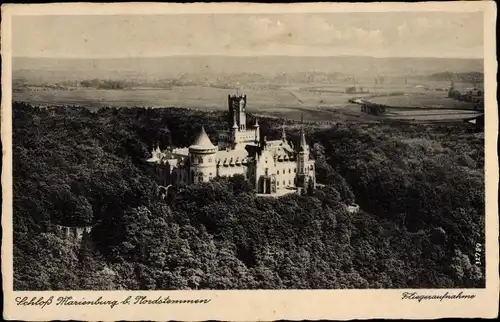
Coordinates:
(416, 112)
(431, 115)
(427, 100)
(284, 102)
(315, 101)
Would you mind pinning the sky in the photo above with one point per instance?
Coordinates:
(378, 34)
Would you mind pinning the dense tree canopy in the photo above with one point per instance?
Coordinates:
(421, 189)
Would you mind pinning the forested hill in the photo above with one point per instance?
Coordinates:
(421, 188)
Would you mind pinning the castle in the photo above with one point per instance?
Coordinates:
(274, 167)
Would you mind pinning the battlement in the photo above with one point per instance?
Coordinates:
(237, 115)
(238, 95)
(180, 149)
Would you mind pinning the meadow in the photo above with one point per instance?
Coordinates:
(289, 102)
(437, 100)
(313, 101)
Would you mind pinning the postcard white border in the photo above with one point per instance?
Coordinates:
(262, 305)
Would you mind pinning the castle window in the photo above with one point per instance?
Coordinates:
(209, 160)
(294, 170)
(283, 171)
(289, 182)
(289, 171)
(277, 183)
(200, 160)
(284, 183)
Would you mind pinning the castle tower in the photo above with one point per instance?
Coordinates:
(256, 128)
(202, 159)
(237, 110)
(234, 130)
(302, 159)
(283, 133)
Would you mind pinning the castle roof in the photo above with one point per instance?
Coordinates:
(154, 159)
(302, 143)
(283, 133)
(202, 142)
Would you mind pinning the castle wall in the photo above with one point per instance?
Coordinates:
(312, 171)
(71, 233)
(247, 136)
(179, 176)
(203, 167)
(286, 172)
(203, 174)
(232, 170)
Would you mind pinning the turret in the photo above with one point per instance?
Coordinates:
(256, 128)
(202, 144)
(303, 147)
(202, 158)
(283, 133)
(263, 142)
(302, 153)
(234, 129)
(242, 119)
(155, 154)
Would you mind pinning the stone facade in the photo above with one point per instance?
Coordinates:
(274, 167)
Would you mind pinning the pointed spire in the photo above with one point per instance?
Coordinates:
(202, 141)
(283, 132)
(302, 143)
(256, 122)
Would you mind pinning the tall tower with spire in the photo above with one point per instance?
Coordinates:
(302, 158)
(256, 128)
(283, 133)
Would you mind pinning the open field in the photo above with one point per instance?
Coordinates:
(424, 100)
(431, 115)
(284, 102)
(316, 102)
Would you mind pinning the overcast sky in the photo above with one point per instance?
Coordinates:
(427, 34)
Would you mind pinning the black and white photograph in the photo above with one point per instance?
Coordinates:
(249, 151)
